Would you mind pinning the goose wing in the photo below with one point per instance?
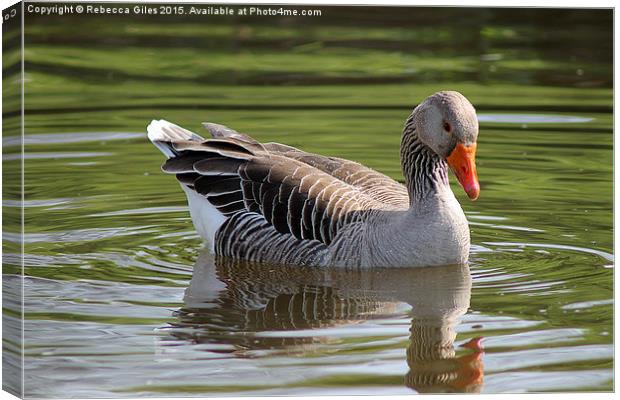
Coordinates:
(372, 183)
(295, 193)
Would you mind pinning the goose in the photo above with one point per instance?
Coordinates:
(273, 203)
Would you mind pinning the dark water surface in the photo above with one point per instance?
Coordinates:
(120, 299)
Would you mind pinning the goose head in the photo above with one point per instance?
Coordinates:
(446, 123)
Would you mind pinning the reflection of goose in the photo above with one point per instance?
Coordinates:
(433, 366)
(230, 303)
(274, 203)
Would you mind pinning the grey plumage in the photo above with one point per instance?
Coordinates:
(281, 204)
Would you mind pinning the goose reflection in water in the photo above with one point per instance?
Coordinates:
(243, 306)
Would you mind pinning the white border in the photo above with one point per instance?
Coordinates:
(454, 3)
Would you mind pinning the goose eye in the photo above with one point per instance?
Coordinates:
(447, 127)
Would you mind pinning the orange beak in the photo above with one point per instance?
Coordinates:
(462, 161)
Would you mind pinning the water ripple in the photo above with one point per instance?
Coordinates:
(600, 253)
(77, 137)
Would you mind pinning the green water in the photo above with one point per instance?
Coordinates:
(120, 299)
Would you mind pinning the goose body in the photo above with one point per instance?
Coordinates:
(269, 202)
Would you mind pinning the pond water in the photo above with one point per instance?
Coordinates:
(120, 299)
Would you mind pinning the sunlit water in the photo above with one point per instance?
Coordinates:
(122, 301)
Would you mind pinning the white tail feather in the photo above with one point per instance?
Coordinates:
(163, 133)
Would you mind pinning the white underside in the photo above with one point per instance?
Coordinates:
(207, 219)
(205, 216)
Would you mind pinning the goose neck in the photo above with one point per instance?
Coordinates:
(426, 173)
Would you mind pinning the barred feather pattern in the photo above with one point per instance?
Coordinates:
(285, 210)
(373, 183)
(423, 169)
(248, 236)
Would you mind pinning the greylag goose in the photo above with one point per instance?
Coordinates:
(269, 202)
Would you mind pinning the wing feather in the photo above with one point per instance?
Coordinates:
(306, 195)
(353, 173)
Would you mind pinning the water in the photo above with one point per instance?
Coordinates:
(121, 301)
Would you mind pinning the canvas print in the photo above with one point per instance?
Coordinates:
(253, 199)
